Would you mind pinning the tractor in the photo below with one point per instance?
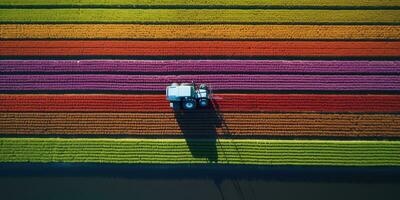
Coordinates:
(188, 96)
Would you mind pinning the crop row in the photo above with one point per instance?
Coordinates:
(196, 151)
(207, 3)
(265, 16)
(113, 82)
(201, 48)
(199, 31)
(194, 66)
(206, 123)
(222, 103)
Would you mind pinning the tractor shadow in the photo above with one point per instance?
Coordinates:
(200, 130)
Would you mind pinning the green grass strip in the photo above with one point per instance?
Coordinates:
(283, 3)
(198, 16)
(201, 151)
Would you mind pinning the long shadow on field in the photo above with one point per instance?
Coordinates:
(199, 128)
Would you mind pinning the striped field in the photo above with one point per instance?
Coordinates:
(337, 104)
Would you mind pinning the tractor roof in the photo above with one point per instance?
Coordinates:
(180, 91)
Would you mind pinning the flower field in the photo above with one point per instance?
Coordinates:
(201, 123)
(260, 103)
(176, 151)
(278, 49)
(239, 3)
(294, 82)
(220, 82)
(230, 75)
(84, 15)
(199, 31)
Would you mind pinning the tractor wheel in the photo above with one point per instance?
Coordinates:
(189, 104)
(203, 102)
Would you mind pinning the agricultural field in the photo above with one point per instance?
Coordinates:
(200, 31)
(295, 83)
(211, 49)
(223, 151)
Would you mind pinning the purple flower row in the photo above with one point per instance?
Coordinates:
(218, 82)
(212, 66)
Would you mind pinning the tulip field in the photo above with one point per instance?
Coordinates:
(84, 15)
(297, 83)
(201, 123)
(200, 31)
(176, 151)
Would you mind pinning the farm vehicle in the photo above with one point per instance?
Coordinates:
(188, 96)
